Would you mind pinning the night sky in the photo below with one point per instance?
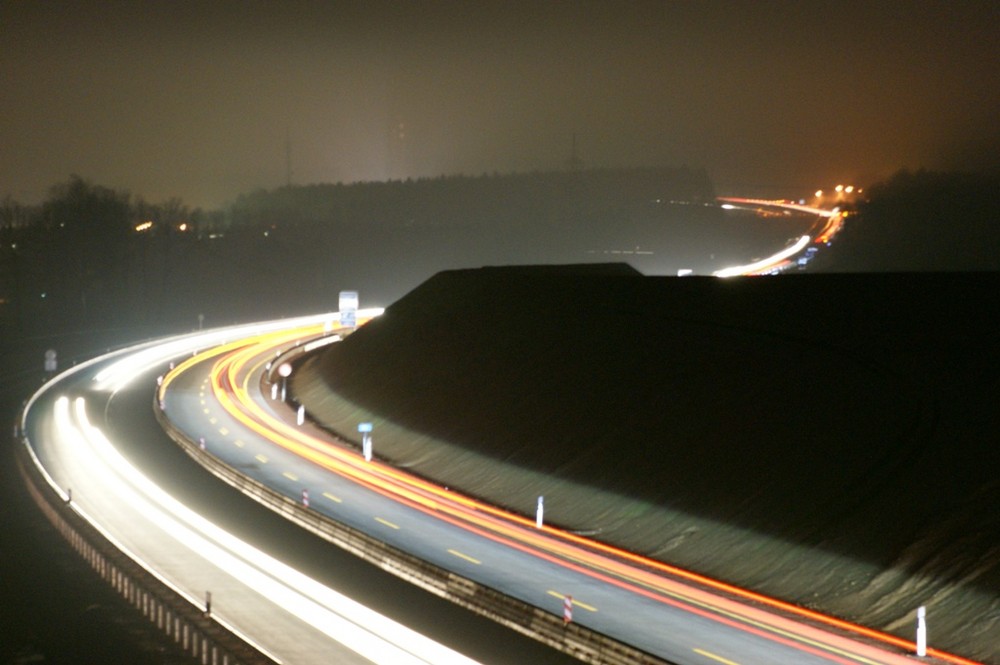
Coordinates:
(202, 100)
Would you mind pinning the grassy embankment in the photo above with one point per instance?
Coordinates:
(827, 439)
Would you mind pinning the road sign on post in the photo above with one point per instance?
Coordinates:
(366, 440)
(348, 306)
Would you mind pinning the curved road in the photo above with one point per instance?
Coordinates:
(93, 434)
(215, 396)
(830, 224)
(676, 616)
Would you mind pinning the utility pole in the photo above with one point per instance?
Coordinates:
(288, 159)
(574, 163)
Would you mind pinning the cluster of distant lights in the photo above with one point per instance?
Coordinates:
(142, 227)
(841, 190)
(783, 260)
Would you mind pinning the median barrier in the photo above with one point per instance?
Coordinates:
(197, 633)
(549, 628)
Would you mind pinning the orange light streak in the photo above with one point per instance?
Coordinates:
(589, 557)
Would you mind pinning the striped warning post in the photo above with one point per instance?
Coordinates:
(567, 609)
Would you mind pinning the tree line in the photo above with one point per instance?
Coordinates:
(91, 256)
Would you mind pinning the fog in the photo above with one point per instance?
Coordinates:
(208, 100)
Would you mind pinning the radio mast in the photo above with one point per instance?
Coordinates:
(288, 159)
(574, 163)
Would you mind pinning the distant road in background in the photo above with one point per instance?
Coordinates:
(800, 250)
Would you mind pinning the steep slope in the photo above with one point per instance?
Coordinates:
(830, 439)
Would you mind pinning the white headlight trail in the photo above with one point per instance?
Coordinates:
(350, 623)
(118, 375)
(734, 271)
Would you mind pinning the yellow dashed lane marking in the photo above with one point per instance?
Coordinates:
(576, 603)
(718, 659)
(387, 523)
(261, 459)
(331, 497)
(464, 556)
(238, 443)
(223, 431)
(213, 420)
(290, 475)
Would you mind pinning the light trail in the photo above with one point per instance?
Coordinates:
(797, 207)
(781, 260)
(609, 564)
(360, 629)
(121, 373)
(85, 449)
(770, 263)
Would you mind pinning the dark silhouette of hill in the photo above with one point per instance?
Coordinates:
(829, 439)
(91, 256)
(922, 220)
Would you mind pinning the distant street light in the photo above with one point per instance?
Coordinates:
(50, 363)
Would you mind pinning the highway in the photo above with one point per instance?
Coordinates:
(831, 223)
(100, 462)
(218, 393)
(217, 397)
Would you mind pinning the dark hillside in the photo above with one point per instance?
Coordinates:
(922, 220)
(830, 439)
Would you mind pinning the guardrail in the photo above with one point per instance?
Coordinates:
(571, 638)
(188, 625)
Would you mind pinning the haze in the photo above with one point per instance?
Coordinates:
(208, 100)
